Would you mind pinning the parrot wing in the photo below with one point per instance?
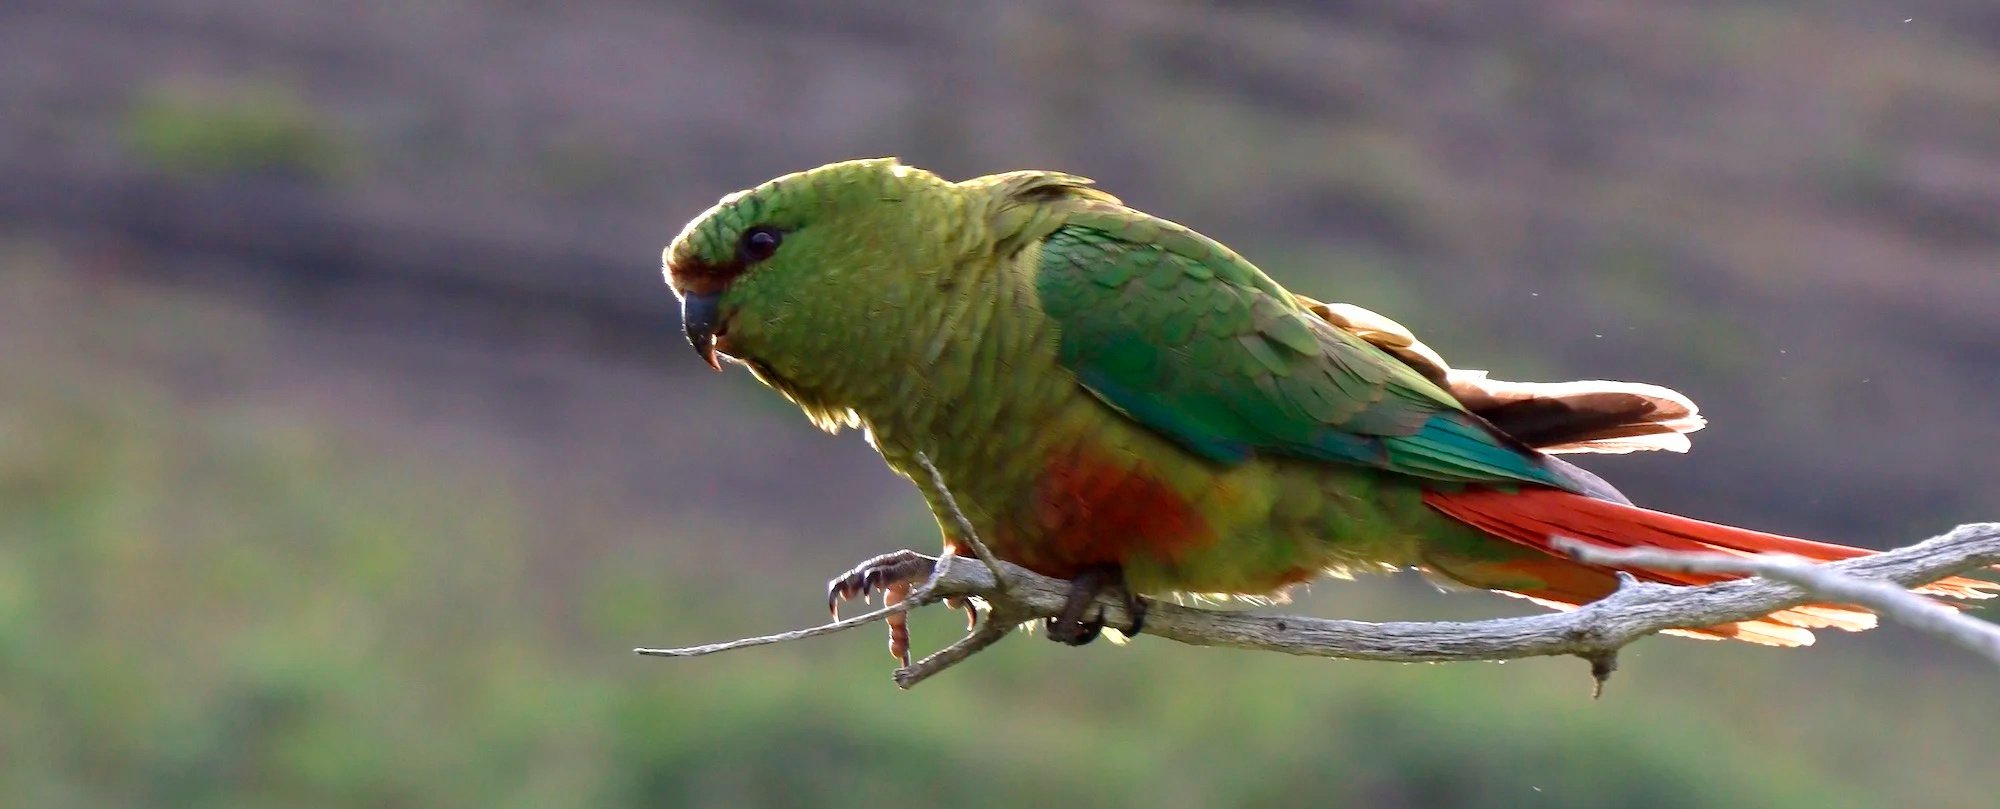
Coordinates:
(1554, 417)
(1180, 334)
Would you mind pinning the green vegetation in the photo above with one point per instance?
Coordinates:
(205, 603)
(248, 128)
(237, 571)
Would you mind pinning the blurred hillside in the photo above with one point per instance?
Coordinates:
(347, 439)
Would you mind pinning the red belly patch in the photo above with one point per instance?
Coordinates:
(1095, 508)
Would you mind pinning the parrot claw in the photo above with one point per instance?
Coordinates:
(892, 574)
(971, 611)
(1135, 608)
(1070, 628)
(877, 575)
(1075, 634)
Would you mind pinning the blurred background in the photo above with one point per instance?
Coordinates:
(348, 441)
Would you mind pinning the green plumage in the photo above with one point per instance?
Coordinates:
(1097, 385)
(1186, 337)
(1103, 389)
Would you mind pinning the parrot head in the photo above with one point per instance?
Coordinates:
(776, 274)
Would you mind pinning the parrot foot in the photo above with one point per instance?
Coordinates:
(893, 574)
(902, 567)
(1070, 628)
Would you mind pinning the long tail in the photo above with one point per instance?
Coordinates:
(1532, 518)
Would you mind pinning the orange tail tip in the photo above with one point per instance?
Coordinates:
(1534, 517)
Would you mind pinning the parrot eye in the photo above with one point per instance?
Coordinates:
(758, 244)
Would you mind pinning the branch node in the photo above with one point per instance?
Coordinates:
(1602, 664)
(998, 625)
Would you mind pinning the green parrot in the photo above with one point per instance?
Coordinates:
(1119, 401)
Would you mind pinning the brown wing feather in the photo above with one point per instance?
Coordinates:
(1554, 417)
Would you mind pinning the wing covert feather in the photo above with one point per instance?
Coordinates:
(1184, 336)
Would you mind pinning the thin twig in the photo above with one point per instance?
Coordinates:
(999, 623)
(964, 525)
(829, 628)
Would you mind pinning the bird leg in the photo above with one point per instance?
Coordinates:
(1071, 628)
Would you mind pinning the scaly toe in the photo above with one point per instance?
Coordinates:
(878, 574)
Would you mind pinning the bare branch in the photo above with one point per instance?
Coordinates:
(1594, 632)
(1822, 582)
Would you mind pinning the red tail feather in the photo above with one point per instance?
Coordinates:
(1535, 517)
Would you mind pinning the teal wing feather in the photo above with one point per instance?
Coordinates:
(1180, 334)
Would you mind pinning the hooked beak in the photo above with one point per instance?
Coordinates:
(698, 314)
